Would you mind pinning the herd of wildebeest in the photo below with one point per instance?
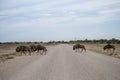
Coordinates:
(32, 48)
(106, 47)
(42, 49)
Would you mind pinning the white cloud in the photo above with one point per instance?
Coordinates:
(71, 19)
(44, 14)
(94, 19)
(90, 5)
(53, 6)
(46, 5)
(110, 11)
(49, 22)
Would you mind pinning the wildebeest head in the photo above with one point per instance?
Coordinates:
(18, 49)
(104, 48)
(74, 47)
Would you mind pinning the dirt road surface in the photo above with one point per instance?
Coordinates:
(61, 63)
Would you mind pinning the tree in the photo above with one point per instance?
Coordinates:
(113, 40)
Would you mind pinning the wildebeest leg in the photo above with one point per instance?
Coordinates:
(114, 51)
(21, 53)
(81, 50)
(78, 50)
(84, 50)
(37, 52)
(34, 52)
(30, 53)
(75, 50)
(41, 52)
(109, 51)
(45, 52)
(24, 53)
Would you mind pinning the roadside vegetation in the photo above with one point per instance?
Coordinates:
(7, 49)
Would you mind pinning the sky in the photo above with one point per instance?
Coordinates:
(49, 20)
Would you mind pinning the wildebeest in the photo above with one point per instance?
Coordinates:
(109, 47)
(23, 50)
(41, 48)
(33, 48)
(78, 46)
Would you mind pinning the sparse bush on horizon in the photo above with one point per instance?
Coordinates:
(102, 41)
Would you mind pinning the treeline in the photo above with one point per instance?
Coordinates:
(20, 42)
(101, 41)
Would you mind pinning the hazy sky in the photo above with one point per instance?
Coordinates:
(45, 20)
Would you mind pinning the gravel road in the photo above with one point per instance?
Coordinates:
(61, 63)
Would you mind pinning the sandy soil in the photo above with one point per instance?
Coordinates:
(61, 63)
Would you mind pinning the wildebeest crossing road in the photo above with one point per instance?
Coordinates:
(61, 63)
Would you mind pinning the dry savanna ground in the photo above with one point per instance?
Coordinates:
(99, 49)
(61, 63)
(7, 51)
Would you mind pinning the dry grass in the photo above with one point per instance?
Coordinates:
(5, 57)
(7, 48)
(99, 48)
(7, 51)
